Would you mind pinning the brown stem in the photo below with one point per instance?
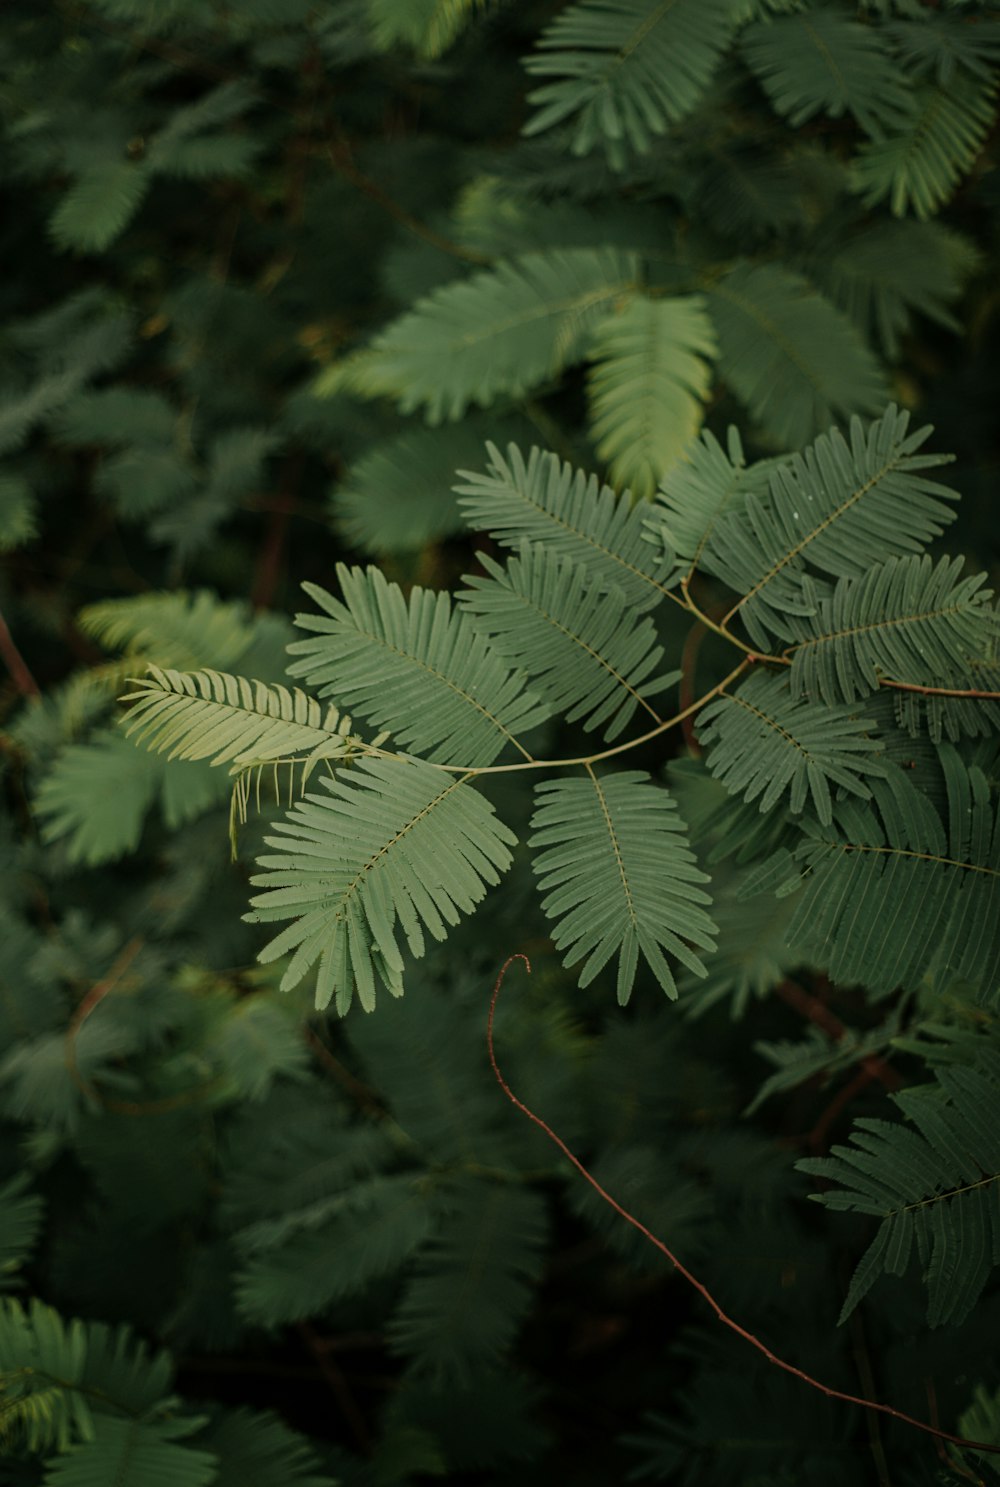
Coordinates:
(17, 666)
(339, 1387)
(817, 1012)
(884, 681)
(682, 1270)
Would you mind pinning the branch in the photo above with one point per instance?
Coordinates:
(682, 1270)
(474, 771)
(17, 666)
(884, 681)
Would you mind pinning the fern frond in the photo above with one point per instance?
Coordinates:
(136, 1453)
(648, 385)
(790, 355)
(830, 507)
(888, 894)
(625, 70)
(908, 619)
(934, 1188)
(586, 652)
(429, 27)
(822, 60)
(254, 1448)
(699, 490)
(96, 797)
(414, 666)
(472, 1284)
(887, 272)
(178, 631)
(42, 1362)
(763, 741)
(571, 514)
(619, 877)
(18, 512)
(398, 496)
(946, 46)
(402, 842)
(506, 330)
(920, 166)
(370, 1232)
(230, 720)
(98, 206)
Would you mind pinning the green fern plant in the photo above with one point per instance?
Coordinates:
(414, 839)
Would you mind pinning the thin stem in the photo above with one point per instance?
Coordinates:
(20, 672)
(587, 759)
(682, 1270)
(884, 681)
(720, 629)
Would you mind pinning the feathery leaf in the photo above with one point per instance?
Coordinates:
(788, 354)
(403, 843)
(763, 741)
(586, 652)
(570, 513)
(414, 666)
(648, 385)
(619, 877)
(625, 70)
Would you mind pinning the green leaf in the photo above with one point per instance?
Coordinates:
(934, 1188)
(648, 385)
(135, 1453)
(571, 514)
(788, 354)
(888, 895)
(909, 619)
(96, 796)
(398, 496)
(473, 1282)
(256, 1449)
(42, 1363)
(230, 720)
(587, 653)
(885, 273)
(98, 207)
(619, 877)
(698, 491)
(429, 27)
(764, 742)
(625, 70)
(369, 1233)
(402, 843)
(822, 60)
(918, 168)
(832, 507)
(18, 513)
(414, 666)
(504, 331)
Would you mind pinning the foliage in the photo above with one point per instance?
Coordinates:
(590, 368)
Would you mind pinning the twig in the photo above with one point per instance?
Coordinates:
(682, 1270)
(93, 998)
(20, 673)
(339, 1387)
(817, 1012)
(884, 681)
(588, 759)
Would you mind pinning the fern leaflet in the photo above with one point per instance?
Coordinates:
(401, 843)
(619, 877)
(587, 654)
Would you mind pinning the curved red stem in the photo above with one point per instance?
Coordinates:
(692, 1280)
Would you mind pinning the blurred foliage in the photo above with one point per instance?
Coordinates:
(274, 272)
